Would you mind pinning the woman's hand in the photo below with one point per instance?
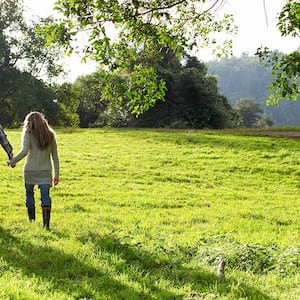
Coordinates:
(10, 164)
(55, 181)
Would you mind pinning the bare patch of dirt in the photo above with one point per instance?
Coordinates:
(282, 134)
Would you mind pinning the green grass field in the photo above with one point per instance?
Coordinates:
(145, 214)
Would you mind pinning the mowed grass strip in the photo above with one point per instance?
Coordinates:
(147, 214)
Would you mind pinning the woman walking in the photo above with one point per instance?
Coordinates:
(40, 147)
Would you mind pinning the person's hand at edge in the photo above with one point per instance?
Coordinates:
(10, 164)
(55, 181)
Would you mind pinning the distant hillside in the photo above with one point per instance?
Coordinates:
(244, 77)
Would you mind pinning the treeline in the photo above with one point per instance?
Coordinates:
(170, 92)
(149, 91)
(192, 99)
(224, 94)
(231, 94)
(24, 59)
(245, 77)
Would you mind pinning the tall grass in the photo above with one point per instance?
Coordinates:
(145, 214)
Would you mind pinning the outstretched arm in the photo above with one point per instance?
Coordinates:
(6, 144)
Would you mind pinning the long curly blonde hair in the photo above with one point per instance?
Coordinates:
(35, 123)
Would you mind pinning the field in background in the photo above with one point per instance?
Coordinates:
(146, 214)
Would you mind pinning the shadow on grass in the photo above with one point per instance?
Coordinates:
(160, 277)
(63, 272)
(151, 269)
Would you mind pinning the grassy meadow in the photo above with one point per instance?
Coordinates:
(147, 214)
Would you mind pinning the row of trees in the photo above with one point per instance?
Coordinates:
(24, 60)
(184, 94)
(191, 99)
(142, 28)
(149, 80)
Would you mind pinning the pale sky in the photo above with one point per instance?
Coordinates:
(255, 29)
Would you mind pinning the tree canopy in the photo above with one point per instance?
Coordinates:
(133, 34)
(251, 114)
(192, 99)
(120, 33)
(24, 60)
(21, 47)
(285, 68)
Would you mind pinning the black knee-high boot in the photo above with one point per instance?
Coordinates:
(46, 217)
(31, 213)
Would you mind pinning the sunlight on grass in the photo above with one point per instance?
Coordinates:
(145, 214)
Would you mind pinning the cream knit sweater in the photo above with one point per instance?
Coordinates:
(38, 165)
